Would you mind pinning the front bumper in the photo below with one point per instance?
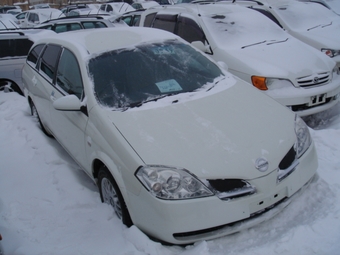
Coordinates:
(189, 221)
(307, 101)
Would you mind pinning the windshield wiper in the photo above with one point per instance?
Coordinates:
(265, 41)
(253, 44)
(278, 41)
(154, 99)
(215, 84)
(326, 25)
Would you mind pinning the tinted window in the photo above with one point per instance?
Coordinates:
(68, 74)
(189, 30)
(93, 24)
(60, 28)
(165, 22)
(126, 78)
(33, 17)
(14, 47)
(102, 7)
(34, 54)
(49, 60)
(149, 19)
(109, 8)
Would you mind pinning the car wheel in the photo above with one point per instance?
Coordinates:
(35, 114)
(9, 86)
(110, 194)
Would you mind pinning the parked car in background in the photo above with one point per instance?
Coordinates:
(163, 132)
(8, 22)
(333, 5)
(144, 5)
(4, 9)
(14, 47)
(86, 12)
(21, 17)
(37, 16)
(14, 11)
(130, 18)
(74, 23)
(40, 6)
(309, 22)
(116, 8)
(256, 50)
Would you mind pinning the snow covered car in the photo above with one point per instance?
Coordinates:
(69, 23)
(37, 16)
(256, 50)
(330, 4)
(309, 22)
(180, 148)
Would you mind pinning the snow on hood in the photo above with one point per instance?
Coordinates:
(215, 136)
(271, 59)
(232, 30)
(305, 16)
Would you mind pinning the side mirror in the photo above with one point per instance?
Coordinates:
(67, 103)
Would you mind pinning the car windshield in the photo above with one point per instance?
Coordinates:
(306, 16)
(130, 77)
(232, 31)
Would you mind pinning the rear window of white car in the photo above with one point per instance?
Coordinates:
(11, 48)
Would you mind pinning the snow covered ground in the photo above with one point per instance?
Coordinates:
(49, 206)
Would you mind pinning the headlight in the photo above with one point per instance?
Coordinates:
(303, 138)
(171, 183)
(330, 53)
(264, 83)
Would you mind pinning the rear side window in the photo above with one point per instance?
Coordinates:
(93, 24)
(33, 56)
(165, 22)
(49, 61)
(68, 74)
(60, 28)
(15, 47)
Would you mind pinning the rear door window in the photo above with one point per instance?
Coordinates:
(33, 56)
(68, 74)
(49, 61)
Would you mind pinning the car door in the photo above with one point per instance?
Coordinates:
(69, 126)
(42, 80)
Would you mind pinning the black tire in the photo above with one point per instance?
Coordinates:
(9, 86)
(110, 194)
(35, 114)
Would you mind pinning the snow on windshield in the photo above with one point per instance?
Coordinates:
(305, 16)
(242, 28)
(129, 77)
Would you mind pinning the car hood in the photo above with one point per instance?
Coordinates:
(320, 37)
(279, 59)
(216, 136)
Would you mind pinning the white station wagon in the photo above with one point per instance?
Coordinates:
(256, 50)
(180, 148)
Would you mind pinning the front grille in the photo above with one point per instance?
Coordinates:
(226, 189)
(314, 80)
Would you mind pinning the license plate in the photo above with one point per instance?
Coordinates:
(318, 99)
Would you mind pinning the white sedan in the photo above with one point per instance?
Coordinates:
(180, 148)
